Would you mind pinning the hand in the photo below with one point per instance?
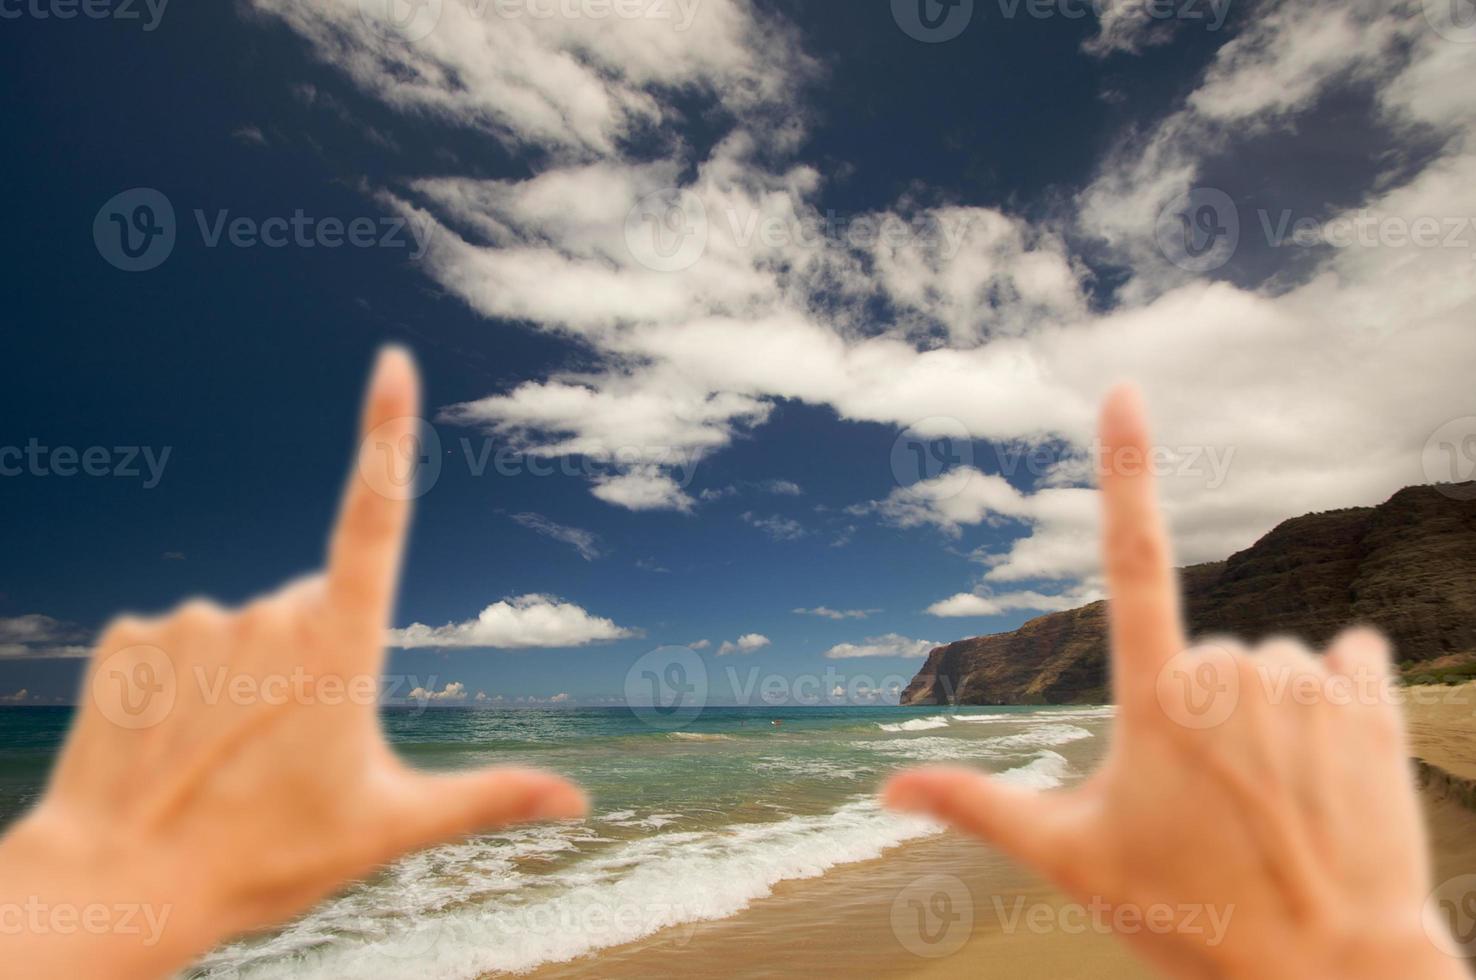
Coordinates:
(226, 769)
(1293, 816)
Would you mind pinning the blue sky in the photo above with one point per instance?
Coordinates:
(731, 428)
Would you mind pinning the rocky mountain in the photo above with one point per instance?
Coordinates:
(1407, 566)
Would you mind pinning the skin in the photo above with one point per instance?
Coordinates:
(237, 807)
(221, 806)
(1293, 813)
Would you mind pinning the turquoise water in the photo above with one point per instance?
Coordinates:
(687, 826)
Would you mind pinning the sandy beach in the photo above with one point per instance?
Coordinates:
(863, 918)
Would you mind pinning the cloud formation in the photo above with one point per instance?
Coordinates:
(584, 542)
(523, 622)
(747, 643)
(41, 637)
(886, 645)
(705, 283)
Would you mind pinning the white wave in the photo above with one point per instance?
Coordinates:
(653, 822)
(1044, 714)
(426, 927)
(915, 724)
(1040, 736)
(820, 768)
(699, 737)
(1046, 771)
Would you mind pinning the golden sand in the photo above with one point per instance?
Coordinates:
(855, 920)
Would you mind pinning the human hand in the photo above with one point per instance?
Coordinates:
(1294, 817)
(252, 778)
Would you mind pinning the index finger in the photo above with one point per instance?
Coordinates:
(1143, 611)
(369, 539)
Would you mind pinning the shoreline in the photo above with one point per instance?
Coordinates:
(859, 917)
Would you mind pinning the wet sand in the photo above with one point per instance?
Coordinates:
(868, 918)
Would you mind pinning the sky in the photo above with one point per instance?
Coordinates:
(774, 330)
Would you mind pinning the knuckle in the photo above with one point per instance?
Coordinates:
(1136, 553)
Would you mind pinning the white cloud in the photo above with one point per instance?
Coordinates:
(16, 697)
(585, 542)
(1326, 388)
(575, 86)
(776, 527)
(453, 691)
(993, 604)
(827, 613)
(526, 621)
(886, 645)
(747, 643)
(699, 644)
(559, 698)
(41, 637)
(645, 488)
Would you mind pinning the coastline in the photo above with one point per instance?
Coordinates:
(854, 918)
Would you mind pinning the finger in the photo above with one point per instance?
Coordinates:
(367, 544)
(1029, 826)
(1360, 653)
(432, 808)
(1144, 610)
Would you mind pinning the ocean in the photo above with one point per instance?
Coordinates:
(687, 826)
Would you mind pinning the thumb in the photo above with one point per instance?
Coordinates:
(1029, 826)
(433, 807)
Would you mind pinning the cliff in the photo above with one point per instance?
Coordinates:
(1407, 566)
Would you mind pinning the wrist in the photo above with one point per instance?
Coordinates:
(70, 901)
